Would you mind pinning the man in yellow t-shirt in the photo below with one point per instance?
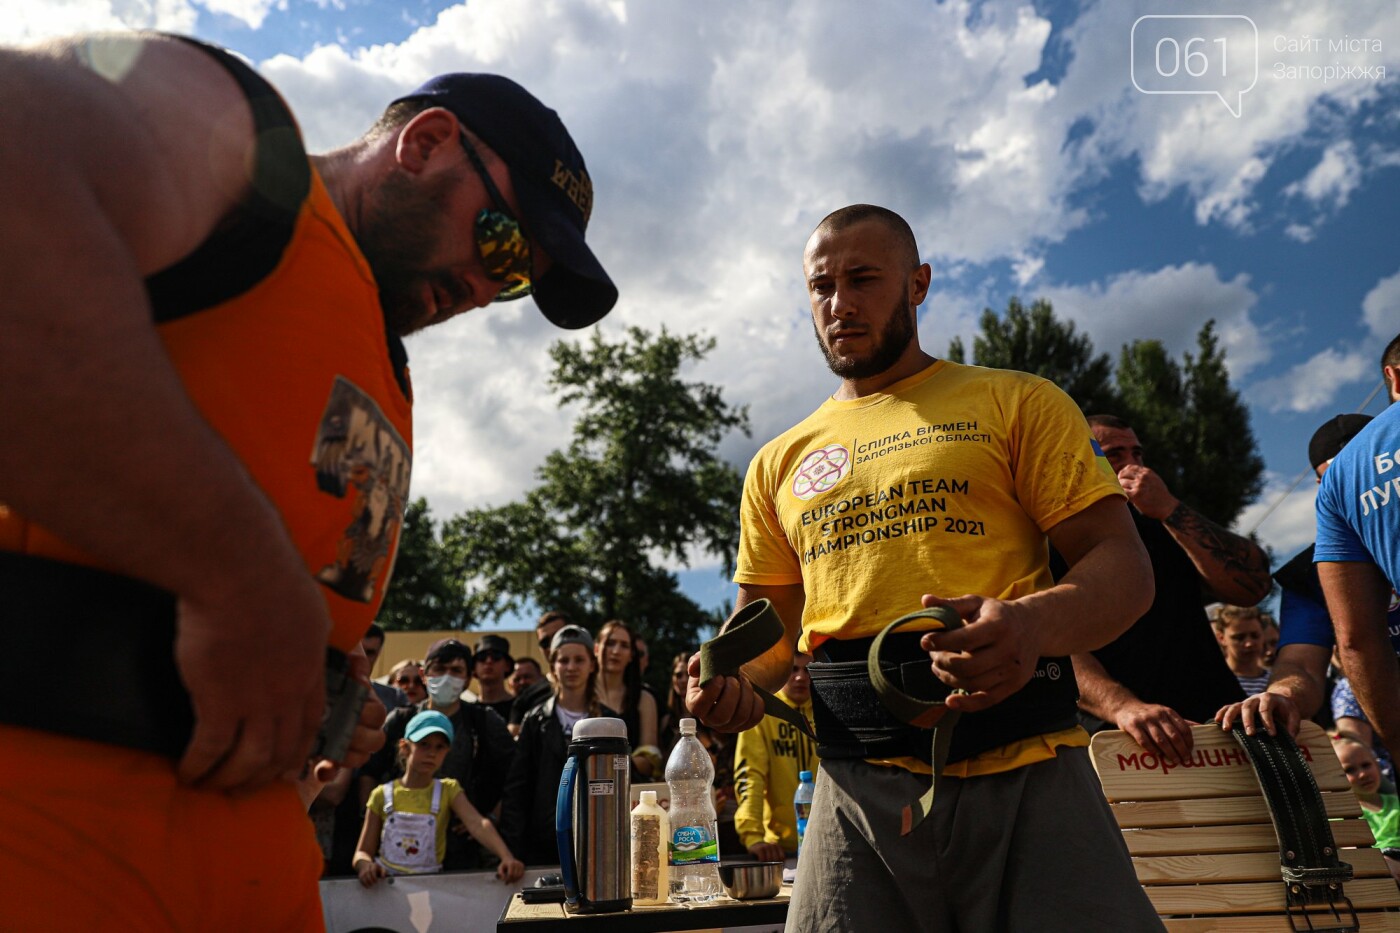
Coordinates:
(767, 760)
(925, 483)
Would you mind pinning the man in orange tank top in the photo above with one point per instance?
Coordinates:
(192, 296)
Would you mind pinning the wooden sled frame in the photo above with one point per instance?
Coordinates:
(1204, 846)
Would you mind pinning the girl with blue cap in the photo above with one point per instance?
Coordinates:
(405, 829)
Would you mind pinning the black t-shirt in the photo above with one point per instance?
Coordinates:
(1170, 655)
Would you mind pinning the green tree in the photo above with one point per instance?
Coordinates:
(1035, 341)
(639, 486)
(426, 589)
(1191, 421)
(1193, 425)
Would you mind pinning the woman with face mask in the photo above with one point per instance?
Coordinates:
(482, 747)
(532, 789)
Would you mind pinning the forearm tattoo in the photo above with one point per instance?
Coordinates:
(1243, 560)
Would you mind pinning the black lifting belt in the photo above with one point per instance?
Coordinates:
(1312, 873)
(756, 628)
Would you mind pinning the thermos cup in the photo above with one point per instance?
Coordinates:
(591, 818)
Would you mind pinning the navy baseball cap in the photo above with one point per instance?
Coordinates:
(551, 184)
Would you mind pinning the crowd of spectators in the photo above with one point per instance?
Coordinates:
(508, 739)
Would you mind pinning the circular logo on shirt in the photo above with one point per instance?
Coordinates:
(820, 470)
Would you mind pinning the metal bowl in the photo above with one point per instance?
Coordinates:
(749, 881)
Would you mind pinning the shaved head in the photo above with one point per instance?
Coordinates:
(839, 220)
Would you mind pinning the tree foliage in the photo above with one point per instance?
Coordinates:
(1194, 428)
(640, 486)
(1035, 341)
(426, 589)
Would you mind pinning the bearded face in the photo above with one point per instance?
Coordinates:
(404, 223)
(887, 345)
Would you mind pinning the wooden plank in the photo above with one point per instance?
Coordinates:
(1246, 866)
(1371, 922)
(1253, 898)
(1219, 811)
(1255, 837)
(1217, 767)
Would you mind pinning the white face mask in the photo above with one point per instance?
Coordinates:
(445, 690)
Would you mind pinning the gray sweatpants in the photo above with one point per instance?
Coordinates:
(1035, 849)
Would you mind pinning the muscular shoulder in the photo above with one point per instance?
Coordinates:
(148, 125)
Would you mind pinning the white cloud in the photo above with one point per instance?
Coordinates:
(717, 141)
(1313, 384)
(249, 12)
(1300, 232)
(1284, 515)
(1380, 309)
(33, 20)
(1171, 304)
(1331, 182)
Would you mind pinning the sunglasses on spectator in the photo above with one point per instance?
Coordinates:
(406, 681)
(504, 248)
(490, 656)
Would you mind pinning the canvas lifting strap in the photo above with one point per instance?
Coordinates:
(752, 631)
(922, 714)
(756, 628)
(1312, 873)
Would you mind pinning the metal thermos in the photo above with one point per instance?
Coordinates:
(591, 818)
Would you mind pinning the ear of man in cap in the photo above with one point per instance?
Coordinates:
(551, 183)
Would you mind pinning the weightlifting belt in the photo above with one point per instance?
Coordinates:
(1312, 873)
(117, 635)
(861, 700)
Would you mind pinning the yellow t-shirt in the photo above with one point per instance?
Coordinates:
(945, 483)
(420, 800)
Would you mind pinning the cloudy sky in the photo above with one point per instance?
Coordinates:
(1017, 138)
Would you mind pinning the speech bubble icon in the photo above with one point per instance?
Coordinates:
(1177, 53)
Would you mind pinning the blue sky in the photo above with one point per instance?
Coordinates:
(1010, 135)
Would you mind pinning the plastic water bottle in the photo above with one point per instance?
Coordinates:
(802, 802)
(694, 849)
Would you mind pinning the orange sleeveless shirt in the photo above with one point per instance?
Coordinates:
(296, 375)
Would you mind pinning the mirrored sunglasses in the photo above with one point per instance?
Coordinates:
(504, 248)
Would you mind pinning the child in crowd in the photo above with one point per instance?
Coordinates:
(406, 820)
(1271, 636)
(1240, 632)
(1381, 810)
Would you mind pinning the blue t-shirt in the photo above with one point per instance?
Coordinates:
(1358, 504)
(1304, 621)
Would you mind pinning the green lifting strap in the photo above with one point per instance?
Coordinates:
(923, 714)
(752, 631)
(756, 628)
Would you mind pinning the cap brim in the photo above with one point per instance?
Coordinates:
(576, 291)
(420, 734)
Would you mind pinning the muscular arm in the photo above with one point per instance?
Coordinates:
(1108, 586)
(1295, 692)
(729, 704)
(1358, 595)
(1159, 729)
(105, 182)
(1234, 568)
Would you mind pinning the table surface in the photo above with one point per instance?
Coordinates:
(519, 917)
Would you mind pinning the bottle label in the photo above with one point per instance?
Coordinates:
(692, 845)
